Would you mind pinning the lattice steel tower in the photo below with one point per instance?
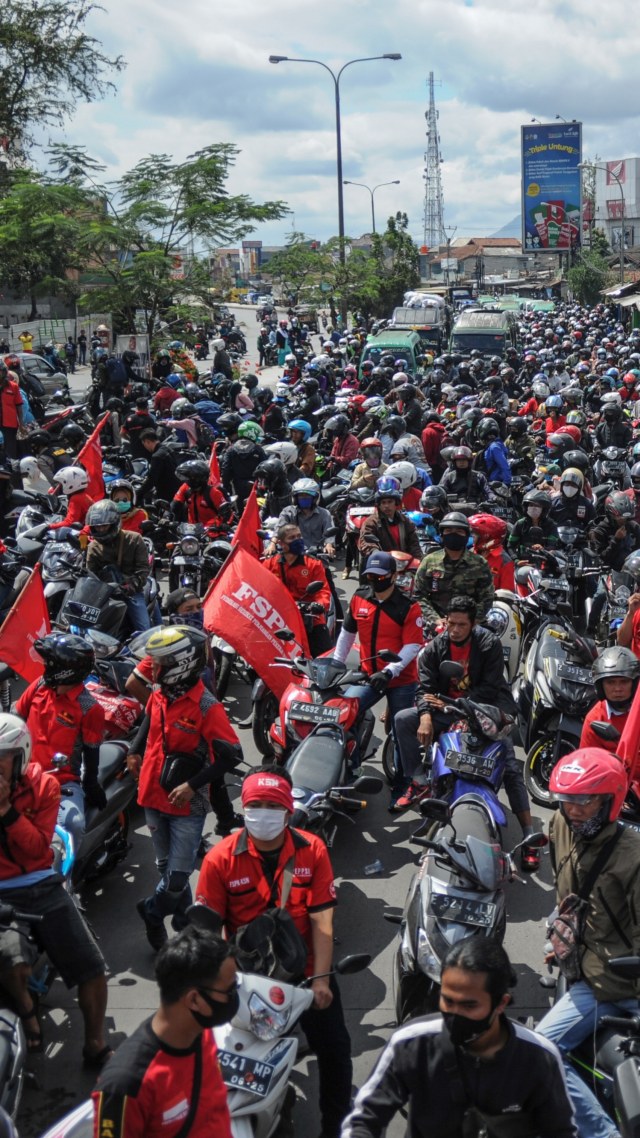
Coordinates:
(433, 219)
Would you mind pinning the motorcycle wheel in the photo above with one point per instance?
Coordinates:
(265, 712)
(539, 763)
(415, 995)
(388, 765)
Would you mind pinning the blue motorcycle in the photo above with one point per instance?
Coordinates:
(470, 759)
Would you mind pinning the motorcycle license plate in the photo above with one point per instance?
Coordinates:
(555, 586)
(365, 512)
(464, 763)
(241, 1073)
(614, 467)
(575, 674)
(463, 910)
(83, 612)
(313, 712)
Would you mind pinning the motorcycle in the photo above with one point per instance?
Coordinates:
(611, 466)
(201, 351)
(191, 564)
(360, 507)
(13, 1047)
(456, 892)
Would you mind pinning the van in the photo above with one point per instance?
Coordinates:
(488, 331)
(428, 320)
(405, 346)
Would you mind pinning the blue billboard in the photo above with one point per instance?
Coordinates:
(551, 186)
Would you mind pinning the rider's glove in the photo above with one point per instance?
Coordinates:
(380, 680)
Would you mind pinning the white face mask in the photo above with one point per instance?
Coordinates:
(569, 491)
(263, 823)
(534, 512)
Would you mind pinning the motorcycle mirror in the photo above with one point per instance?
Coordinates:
(393, 916)
(357, 962)
(450, 670)
(437, 809)
(389, 656)
(537, 841)
(368, 784)
(605, 730)
(626, 966)
(204, 918)
(284, 634)
(59, 759)
(331, 532)
(147, 527)
(313, 588)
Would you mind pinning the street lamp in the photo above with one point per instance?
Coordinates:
(395, 182)
(599, 166)
(395, 55)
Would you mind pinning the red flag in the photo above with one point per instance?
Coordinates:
(91, 458)
(628, 748)
(246, 605)
(214, 467)
(25, 622)
(246, 534)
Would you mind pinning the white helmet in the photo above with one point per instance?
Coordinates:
(71, 479)
(287, 452)
(611, 397)
(405, 472)
(305, 486)
(29, 468)
(399, 377)
(16, 737)
(219, 345)
(282, 390)
(290, 358)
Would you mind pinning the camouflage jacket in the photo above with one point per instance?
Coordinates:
(440, 578)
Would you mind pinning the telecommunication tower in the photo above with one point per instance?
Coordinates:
(433, 220)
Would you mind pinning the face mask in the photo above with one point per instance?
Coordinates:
(463, 1030)
(454, 541)
(569, 491)
(220, 1012)
(379, 584)
(592, 827)
(297, 546)
(123, 507)
(193, 619)
(305, 502)
(264, 824)
(534, 512)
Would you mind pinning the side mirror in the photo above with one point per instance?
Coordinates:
(605, 731)
(204, 918)
(626, 966)
(450, 670)
(436, 809)
(536, 536)
(357, 962)
(331, 532)
(285, 635)
(537, 841)
(313, 588)
(389, 656)
(367, 784)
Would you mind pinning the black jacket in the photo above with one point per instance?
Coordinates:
(614, 551)
(237, 467)
(486, 671)
(617, 434)
(161, 475)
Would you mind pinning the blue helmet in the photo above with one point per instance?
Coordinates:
(554, 402)
(301, 425)
(388, 488)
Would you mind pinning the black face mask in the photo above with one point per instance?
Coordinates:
(220, 1013)
(379, 584)
(463, 1030)
(454, 541)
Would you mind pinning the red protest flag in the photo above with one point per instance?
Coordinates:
(214, 467)
(26, 621)
(91, 458)
(628, 748)
(246, 534)
(247, 605)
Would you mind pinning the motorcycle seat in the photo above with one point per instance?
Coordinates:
(112, 756)
(317, 762)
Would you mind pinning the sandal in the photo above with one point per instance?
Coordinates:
(34, 1039)
(96, 1060)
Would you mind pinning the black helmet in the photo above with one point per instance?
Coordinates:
(103, 520)
(251, 381)
(407, 392)
(434, 498)
(114, 404)
(271, 471)
(579, 459)
(537, 498)
(216, 552)
(311, 386)
(139, 391)
(40, 439)
(632, 565)
(195, 472)
(68, 659)
(229, 422)
(339, 424)
(461, 453)
(72, 435)
(635, 475)
(262, 396)
(517, 426)
(559, 444)
(395, 426)
(619, 507)
(615, 663)
(488, 429)
(455, 520)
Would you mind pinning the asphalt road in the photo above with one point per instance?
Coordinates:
(368, 997)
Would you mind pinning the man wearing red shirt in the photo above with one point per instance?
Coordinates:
(196, 500)
(615, 674)
(11, 410)
(244, 875)
(166, 1076)
(297, 571)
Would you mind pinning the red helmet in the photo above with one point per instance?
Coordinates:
(357, 402)
(12, 362)
(371, 441)
(487, 530)
(590, 770)
(629, 379)
(570, 429)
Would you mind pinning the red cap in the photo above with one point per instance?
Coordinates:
(268, 787)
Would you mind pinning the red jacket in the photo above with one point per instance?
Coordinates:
(502, 567)
(298, 576)
(133, 520)
(391, 624)
(77, 507)
(61, 724)
(201, 507)
(600, 711)
(433, 442)
(28, 826)
(345, 450)
(180, 726)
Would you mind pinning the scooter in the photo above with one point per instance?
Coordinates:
(456, 892)
(13, 1047)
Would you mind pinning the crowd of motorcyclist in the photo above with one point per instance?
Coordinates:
(474, 470)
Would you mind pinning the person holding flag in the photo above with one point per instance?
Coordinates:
(297, 571)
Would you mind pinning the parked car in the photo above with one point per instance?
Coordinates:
(36, 367)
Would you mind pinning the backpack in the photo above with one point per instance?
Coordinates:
(565, 927)
(116, 372)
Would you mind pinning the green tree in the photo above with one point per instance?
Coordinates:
(48, 64)
(41, 223)
(398, 263)
(142, 244)
(589, 276)
(300, 268)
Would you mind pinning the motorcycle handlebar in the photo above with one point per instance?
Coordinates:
(623, 1023)
(8, 914)
(426, 843)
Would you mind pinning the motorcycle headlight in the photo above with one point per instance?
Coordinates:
(427, 958)
(497, 622)
(264, 1021)
(189, 546)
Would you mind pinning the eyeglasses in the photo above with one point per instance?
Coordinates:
(223, 991)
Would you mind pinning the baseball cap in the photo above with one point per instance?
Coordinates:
(381, 564)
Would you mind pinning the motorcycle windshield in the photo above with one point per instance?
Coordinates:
(488, 862)
(326, 671)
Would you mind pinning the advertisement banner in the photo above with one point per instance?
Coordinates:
(551, 186)
(137, 349)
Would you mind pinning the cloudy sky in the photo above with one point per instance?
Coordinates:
(198, 72)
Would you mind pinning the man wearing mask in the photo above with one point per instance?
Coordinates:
(246, 874)
(461, 481)
(453, 571)
(306, 512)
(296, 570)
(167, 1074)
(570, 507)
(468, 1058)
